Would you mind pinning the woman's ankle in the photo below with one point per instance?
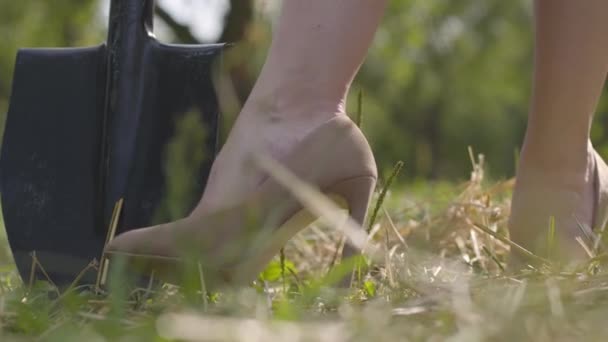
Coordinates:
(289, 100)
(571, 170)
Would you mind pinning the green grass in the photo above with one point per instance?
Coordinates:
(440, 274)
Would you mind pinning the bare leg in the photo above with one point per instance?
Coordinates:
(556, 172)
(315, 54)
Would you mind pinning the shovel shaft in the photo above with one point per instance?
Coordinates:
(131, 18)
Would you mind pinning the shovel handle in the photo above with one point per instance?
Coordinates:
(134, 18)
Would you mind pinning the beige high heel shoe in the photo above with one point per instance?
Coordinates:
(575, 241)
(335, 158)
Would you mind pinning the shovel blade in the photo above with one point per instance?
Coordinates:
(51, 160)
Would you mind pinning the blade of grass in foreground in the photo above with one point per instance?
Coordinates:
(359, 117)
(103, 264)
(516, 248)
(396, 170)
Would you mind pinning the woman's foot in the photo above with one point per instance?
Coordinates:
(213, 230)
(567, 200)
(334, 157)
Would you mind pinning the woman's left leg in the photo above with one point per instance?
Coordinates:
(557, 170)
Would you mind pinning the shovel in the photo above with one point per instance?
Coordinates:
(90, 126)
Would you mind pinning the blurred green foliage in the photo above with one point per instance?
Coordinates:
(182, 157)
(444, 75)
(441, 75)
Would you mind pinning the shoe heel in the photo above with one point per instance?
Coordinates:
(357, 193)
(354, 193)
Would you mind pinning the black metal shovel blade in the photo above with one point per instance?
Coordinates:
(52, 163)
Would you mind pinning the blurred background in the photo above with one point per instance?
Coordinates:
(441, 75)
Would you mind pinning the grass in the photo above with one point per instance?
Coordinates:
(438, 273)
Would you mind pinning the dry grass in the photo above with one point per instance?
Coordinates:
(438, 272)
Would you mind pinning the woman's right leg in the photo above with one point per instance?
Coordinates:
(316, 52)
(556, 171)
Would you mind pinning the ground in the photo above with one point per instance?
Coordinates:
(440, 274)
